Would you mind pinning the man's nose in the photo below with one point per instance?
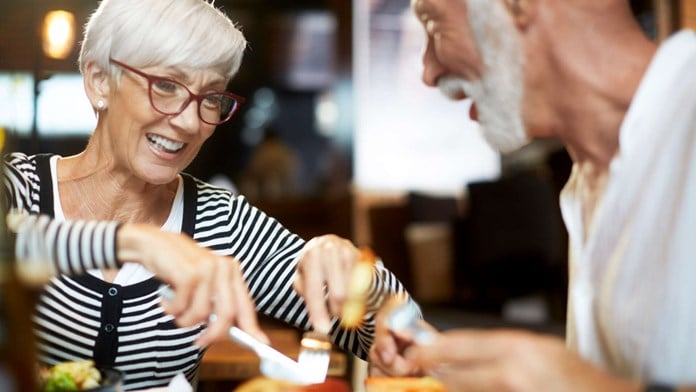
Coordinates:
(432, 69)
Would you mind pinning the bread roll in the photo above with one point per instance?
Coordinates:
(358, 289)
(264, 384)
(403, 384)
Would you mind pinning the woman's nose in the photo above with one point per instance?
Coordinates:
(188, 119)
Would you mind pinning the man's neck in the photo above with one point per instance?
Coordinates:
(598, 71)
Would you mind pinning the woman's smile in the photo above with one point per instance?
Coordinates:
(163, 144)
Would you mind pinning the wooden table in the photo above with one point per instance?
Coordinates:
(227, 364)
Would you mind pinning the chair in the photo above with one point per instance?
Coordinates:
(511, 241)
(414, 240)
(387, 224)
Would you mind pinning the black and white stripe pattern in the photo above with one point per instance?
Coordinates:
(80, 316)
(89, 244)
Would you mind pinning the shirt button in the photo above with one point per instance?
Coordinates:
(108, 328)
(113, 291)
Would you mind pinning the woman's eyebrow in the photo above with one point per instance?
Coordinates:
(183, 76)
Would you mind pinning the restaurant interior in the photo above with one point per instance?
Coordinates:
(332, 139)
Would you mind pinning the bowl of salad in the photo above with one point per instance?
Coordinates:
(81, 376)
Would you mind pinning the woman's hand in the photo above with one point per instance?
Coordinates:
(509, 360)
(203, 282)
(323, 272)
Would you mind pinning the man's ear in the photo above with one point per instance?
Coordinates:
(522, 11)
(96, 81)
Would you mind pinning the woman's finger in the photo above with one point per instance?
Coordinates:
(200, 306)
(314, 288)
(222, 301)
(183, 293)
(337, 269)
(246, 316)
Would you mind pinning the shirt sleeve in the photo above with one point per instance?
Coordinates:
(69, 248)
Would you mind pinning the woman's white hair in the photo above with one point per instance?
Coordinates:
(143, 33)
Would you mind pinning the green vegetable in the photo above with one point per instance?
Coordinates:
(60, 382)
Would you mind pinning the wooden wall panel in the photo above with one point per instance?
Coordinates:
(688, 14)
(19, 33)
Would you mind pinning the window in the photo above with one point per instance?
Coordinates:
(408, 136)
(62, 105)
(16, 102)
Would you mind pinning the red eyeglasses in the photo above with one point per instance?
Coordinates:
(169, 97)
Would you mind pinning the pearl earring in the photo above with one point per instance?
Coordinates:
(100, 104)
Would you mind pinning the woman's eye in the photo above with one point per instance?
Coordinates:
(212, 101)
(165, 86)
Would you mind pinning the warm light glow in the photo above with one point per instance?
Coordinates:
(58, 34)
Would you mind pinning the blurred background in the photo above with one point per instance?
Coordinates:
(339, 135)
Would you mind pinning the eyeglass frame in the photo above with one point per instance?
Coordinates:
(192, 97)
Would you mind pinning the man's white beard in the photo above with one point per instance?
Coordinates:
(498, 93)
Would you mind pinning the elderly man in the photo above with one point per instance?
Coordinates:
(584, 72)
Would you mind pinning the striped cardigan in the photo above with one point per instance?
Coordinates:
(80, 316)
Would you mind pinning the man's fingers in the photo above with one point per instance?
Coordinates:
(387, 361)
(479, 377)
(472, 346)
(376, 371)
(384, 351)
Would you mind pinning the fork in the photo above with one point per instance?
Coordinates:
(273, 363)
(315, 355)
(404, 318)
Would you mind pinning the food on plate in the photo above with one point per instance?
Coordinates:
(71, 376)
(403, 384)
(264, 384)
(358, 289)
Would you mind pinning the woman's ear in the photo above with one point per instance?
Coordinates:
(96, 81)
(522, 12)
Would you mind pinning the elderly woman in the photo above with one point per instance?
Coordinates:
(156, 72)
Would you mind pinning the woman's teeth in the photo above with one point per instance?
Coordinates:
(163, 144)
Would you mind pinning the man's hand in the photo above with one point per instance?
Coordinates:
(387, 352)
(203, 282)
(508, 360)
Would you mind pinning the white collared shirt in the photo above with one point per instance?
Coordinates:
(632, 294)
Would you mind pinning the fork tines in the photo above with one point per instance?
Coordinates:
(315, 355)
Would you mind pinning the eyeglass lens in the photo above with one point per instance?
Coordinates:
(171, 97)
